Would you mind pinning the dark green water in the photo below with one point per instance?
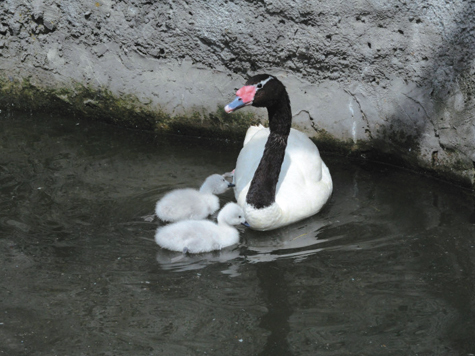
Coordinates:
(387, 268)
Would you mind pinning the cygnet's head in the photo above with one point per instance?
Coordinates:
(215, 184)
(231, 214)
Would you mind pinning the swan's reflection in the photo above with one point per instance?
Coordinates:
(179, 262)
(296, 241)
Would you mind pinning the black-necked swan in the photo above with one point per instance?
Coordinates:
(280, 177)
(191, 204)
(196, 236)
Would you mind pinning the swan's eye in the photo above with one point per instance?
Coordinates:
(240, 216)
(259, 86)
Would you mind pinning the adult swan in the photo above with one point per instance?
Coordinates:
(279, 176)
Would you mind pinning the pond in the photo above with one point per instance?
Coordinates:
(386, 268)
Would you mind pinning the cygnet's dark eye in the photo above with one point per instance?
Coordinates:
(240, 216)
(259, 86)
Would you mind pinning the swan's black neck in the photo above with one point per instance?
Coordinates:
(262, 190)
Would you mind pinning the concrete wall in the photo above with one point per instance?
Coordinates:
(391, 80)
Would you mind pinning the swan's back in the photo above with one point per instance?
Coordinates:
(304, 183)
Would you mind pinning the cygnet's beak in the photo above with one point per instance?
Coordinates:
(246, 224)
(231, 185)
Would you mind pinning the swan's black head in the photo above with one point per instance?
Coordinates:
(262, 90)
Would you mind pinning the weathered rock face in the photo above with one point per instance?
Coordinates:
(386, 79)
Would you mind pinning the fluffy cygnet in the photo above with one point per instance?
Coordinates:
(195, 236)
(191, 204)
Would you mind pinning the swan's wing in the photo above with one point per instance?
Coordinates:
(251, 131)
(304, 181)
(302, 160)
(248, 160)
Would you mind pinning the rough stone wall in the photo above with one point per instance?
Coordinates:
(391, 80)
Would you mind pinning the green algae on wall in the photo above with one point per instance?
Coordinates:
(216, 124)
(78, 101)
(127, 110)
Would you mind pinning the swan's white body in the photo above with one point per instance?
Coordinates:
(304, 184)
(196, 236)
(191, 204)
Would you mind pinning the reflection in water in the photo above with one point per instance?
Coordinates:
(179, 262)
(385, 268)
(276, 321)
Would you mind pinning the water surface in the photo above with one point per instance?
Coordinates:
(386, 268)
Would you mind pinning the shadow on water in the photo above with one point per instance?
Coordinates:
(385, 268)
